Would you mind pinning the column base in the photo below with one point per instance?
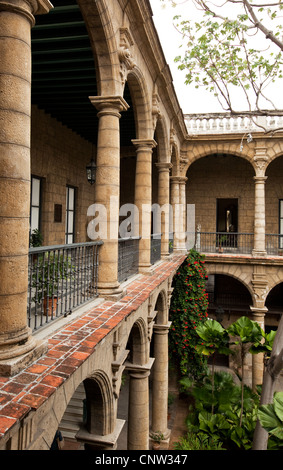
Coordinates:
(97, 442)
(259, 254)
(180, 249)
(147, 269)
(164, 444)
(114, 293)
(26, 355)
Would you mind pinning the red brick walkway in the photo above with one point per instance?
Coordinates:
(71, 346)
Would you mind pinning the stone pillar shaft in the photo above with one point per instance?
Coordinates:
(259, 220)
(175, 203)
(16, 19)
(164, 203)
(258, 359)
(178, 201)
(138, 413)
(183, 214)
(160, 380)
(143, 199)
(107, 188)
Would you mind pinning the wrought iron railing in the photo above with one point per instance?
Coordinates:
(229, 300)
(61, 278)
(171, 241)
(128, 257)
(274, 244)
(155, 252)
(222, 242)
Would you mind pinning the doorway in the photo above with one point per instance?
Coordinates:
(227, 215)
(227, 222)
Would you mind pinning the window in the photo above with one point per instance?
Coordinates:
(70, 215)
(35, 199)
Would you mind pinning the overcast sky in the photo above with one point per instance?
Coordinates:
(194, 100)
(191, 100)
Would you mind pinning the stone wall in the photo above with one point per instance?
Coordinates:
(216, 177)
(60, 156)
(232, 177)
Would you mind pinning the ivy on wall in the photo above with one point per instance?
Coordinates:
(189, 304)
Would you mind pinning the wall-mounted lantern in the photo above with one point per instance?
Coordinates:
(91, 171)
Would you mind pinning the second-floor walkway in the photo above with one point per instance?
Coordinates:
(71, 345)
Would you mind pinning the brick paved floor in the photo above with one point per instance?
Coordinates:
(71, 346)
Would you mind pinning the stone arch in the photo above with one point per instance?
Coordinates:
(175, 154)
(199, 151)
(162, 139)
(233, 271)
(141, 104)
(274, 151)
(273, 198)
(274, 282)
(272, 159)
(99, 404)
(274, 305)
(161, 307)
(100, 28)
(138, 343)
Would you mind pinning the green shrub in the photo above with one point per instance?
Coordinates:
(197, 442)
(188, 309)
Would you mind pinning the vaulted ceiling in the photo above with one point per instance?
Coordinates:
(63, 72)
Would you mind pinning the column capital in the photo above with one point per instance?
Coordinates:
(109, 104)
(161, 329)
(183, 179)
(139, 371)
(144, 144)
(175, 179)
(260, 179)
(40, 7)
(258, 311)
(27, 8)
(164, 166)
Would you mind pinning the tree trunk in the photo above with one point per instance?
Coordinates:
(273, 369)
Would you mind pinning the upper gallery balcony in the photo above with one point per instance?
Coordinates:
(225, 123)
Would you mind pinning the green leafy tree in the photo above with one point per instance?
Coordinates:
(223, 425)
(215, 339)
(272, 371)
(188, 309)
(249, 337)
(235, 44)
(271, 417)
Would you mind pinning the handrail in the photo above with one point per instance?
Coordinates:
(60, 279)
(39, 249)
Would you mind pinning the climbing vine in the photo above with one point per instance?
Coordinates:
(188, 309)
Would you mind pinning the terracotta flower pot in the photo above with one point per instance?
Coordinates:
(52, 306)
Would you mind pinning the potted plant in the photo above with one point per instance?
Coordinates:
(222, 239)
(157, 437)
(50, 271)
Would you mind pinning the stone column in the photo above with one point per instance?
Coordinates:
(258, 359)
(183, 214)
(143, 199)
(138, 409)
(160, 380)
(98, 442)
(16, 19)
(176, 207)
(164, 203)
(107, 189)
(259, 218)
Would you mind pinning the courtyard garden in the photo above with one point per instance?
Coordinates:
(222, 410)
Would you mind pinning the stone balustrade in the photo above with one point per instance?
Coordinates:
(221, 123)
